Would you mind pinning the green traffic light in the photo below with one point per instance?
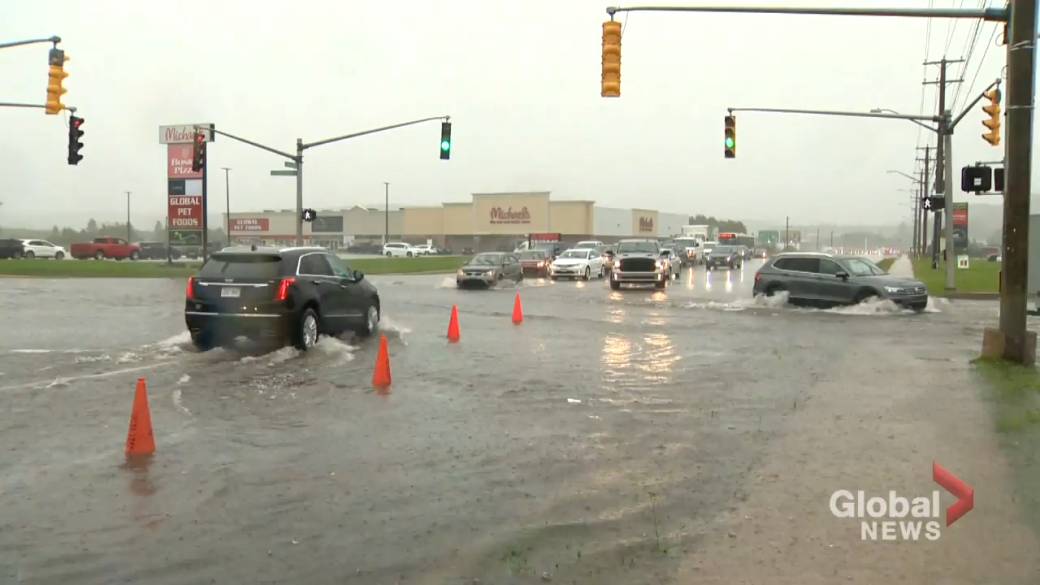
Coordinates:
(445, 145)
(730, 143)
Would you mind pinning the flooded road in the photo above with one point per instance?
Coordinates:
(604, 440)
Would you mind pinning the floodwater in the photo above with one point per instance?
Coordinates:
(600, 441)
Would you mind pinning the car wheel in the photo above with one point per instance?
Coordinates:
(865, 295)
(30, 255)
(774, 290)
(588, 273)
(59, 256)
(371, 320)
(661, 284)
(99, 255)
(409, 254)
(615, 285)
(202, 341)
(306, 334)
(135, 255)
(389, 254)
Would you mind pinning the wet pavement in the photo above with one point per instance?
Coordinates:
(601, 441)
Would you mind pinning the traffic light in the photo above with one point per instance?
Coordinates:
(445, 140)
(611, 81)
(309, 214)
(993, 123)
(55, 78)
(198, 152)
(74, 140)
(731, 136)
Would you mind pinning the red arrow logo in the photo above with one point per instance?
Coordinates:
(965, 493)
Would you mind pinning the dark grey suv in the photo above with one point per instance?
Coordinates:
(836, 280)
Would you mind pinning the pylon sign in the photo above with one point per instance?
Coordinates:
(186, 192)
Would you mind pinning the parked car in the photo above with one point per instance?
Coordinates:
(489, 268)
(391, 249)
(638, 261)
(43, 249)
(105, 247)
(728, 256)
(12, 248)
(365, 248)
(426, 249)
(278, 294)
(827, 279)
(158, 250)
(577, 263)
(535, 262)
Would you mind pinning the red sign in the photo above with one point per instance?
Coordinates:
(185, 212)
(499, 215)
(727, 236)
(551, 237)
(178, 158)
(250, 224)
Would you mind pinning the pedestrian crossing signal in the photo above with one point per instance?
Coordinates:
(309, 215)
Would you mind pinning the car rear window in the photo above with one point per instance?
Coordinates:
(799, 264)
(257, 267)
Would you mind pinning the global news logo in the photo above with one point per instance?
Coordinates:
(899, 518)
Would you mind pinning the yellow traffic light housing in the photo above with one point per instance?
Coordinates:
(55, 78)
(993, 122)
(730, 140)
(611, 82)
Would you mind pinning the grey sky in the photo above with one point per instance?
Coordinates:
(521, 82)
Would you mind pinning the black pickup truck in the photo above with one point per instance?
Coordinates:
(11, 248)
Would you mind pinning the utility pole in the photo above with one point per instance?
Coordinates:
(832, 239)
(787, 232)
(1017, 345)
(944, 170)
(128, 236)
(386, 213)
(925, 177)
(299, 191)
(227, 198)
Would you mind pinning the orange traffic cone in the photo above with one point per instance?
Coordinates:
(453, 325)
(518, 311)
(381, 376)
(139, 439)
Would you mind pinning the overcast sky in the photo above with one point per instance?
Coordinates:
(521, 83)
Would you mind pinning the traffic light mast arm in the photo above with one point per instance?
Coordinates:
(913, 118)
(995, 14)
(55, 40)
(249, 142)
(373, 131)
(977, 99)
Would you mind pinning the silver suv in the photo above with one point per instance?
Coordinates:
(836, 280)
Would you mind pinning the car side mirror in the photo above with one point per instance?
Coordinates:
(358, 276)
(842, 275)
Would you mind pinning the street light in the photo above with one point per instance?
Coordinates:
(227, 197)
(891, 111)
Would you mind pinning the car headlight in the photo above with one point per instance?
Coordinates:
(459, 272)
(489, 273)
(893, 290)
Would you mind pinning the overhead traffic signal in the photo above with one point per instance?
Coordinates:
(198, 152)
(993, 123)
(55, 79)
(445, 140)
(731, 136)
(74, 140)
(611, 81)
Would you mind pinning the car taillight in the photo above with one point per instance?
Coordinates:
(190, 292)
(283, 289)
(758, 277)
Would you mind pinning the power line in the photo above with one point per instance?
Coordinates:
(971, 41)
(982, 62)
(952, 29)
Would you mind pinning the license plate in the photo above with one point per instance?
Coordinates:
(232, 292)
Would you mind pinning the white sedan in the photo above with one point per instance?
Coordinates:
(43, 249)
(577, 263)
(427, 249)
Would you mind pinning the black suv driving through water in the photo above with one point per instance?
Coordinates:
(281, 295)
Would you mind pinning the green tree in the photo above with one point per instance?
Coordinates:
(158, 233)
(92, 227)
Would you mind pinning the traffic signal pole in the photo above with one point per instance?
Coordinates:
(298, 157)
